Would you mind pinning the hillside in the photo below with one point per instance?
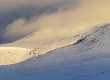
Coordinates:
(87, 59)
(35, 44)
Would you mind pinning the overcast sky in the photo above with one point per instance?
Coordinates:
(21, 17)
(13, 10)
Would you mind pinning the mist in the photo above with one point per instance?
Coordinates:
(74, 17)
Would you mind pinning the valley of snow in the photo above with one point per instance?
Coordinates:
(86, 59)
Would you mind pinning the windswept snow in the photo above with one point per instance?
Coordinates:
(87, 60)
(35, 44)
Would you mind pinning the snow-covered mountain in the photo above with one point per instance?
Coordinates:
(86, 59)
(35, 44)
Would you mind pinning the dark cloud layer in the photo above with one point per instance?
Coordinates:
(11, 10)
(60, 17)
(26, 11)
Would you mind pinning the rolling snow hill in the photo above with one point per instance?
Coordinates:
(86, 59)
(35, 44)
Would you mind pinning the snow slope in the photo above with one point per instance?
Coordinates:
(11, 55)
(87, 59)
(32, 45)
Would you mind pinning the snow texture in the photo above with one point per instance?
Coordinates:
(86, 59)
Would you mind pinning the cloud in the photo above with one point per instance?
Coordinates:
(10, 4)
(68, 22)
(12, 11)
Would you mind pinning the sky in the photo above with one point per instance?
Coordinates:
(22, 17)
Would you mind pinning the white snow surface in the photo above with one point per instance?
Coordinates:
(35, 44)
(11, 55)
(88, 59)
